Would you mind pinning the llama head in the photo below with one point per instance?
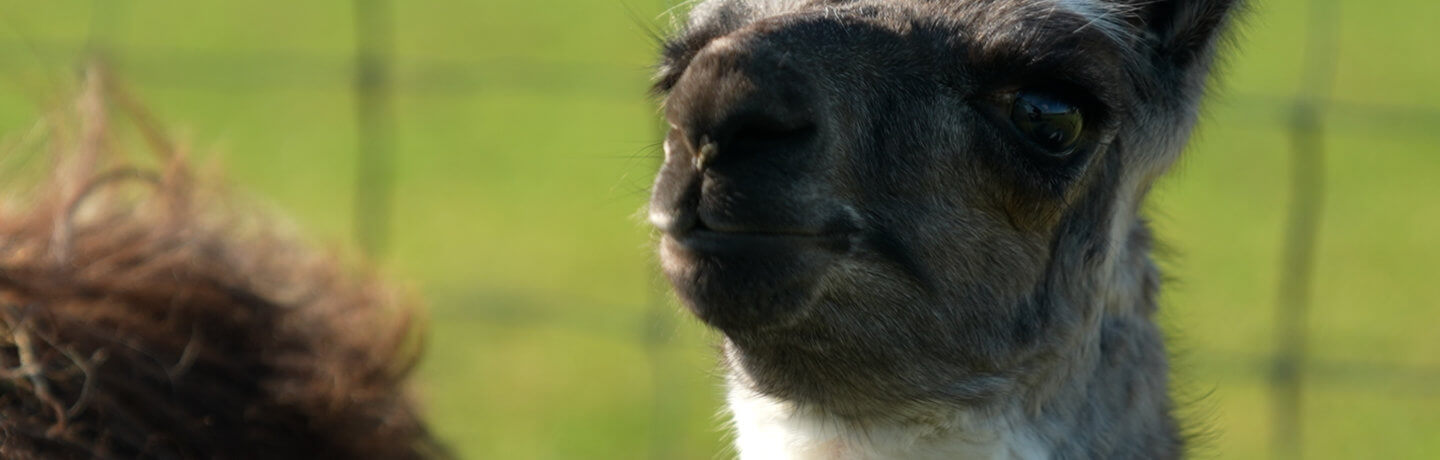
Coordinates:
(886, 201)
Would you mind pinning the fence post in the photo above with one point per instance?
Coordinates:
(1307, 193)
(375, 125)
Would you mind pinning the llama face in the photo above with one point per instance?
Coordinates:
(891, 201)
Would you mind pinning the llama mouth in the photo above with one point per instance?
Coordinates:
(699, 231)
(705, 239)
(748, 277)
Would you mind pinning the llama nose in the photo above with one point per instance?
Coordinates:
(739, 99)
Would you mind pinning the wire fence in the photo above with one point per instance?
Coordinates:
(375, 125)
(1307, 134)
(378, 76)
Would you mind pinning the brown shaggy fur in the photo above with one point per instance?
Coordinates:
(139, 320)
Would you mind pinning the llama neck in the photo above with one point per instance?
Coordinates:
(1113, 401)
(1106, 398)
(1120, 412)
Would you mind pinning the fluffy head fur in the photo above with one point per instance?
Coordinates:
(142, 317)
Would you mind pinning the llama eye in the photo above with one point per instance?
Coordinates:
(1048, 121)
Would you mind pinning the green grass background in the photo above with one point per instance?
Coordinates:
(527, 142)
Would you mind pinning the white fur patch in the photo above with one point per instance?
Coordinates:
(770, 429)
(709, 10)
(1107, 17)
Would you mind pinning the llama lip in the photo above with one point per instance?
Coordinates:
(739, 281)
(740, 274)
(709, 234)
(705, 240)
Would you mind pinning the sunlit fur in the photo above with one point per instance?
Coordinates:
(146, 313)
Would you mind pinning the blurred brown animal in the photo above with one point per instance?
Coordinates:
(157, 322)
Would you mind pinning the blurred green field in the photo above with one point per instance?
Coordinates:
(527, 142)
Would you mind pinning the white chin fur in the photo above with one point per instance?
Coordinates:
(771, 429)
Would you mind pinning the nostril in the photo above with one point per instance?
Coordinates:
(738, 103)
(759, 135)
(770, 131)
(750, 136)
(705, 153)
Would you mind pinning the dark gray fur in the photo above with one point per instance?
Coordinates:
(899, 243)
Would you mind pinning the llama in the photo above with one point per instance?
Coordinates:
(142, 317)
(917, 223)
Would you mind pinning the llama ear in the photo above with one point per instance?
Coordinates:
(1183, 31)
